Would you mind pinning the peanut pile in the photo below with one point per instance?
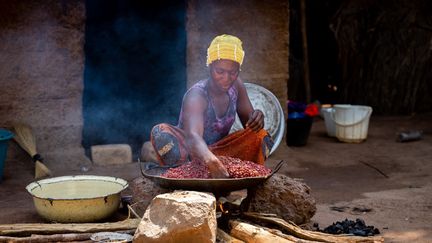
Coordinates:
(236, 168)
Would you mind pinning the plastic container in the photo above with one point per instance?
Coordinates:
(5, 136)
(326, 113)
(352, 122)
(298, 131)
(409, 136)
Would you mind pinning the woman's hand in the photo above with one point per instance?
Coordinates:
(256, 120)
(217, 169)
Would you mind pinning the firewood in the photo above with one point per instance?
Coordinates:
(253, 234)
(289, 237)
(222, 236)
(311, 235)
(79, 237)
(48, 238)
(28, 229)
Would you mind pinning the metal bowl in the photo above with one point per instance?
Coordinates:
(274, 121)
(81, 198)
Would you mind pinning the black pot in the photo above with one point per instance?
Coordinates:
(297, 131)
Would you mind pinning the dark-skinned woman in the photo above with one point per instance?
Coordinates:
(208, 112)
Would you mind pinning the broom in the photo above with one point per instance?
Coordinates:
(26, 140)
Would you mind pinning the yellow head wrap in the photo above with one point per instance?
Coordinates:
(225, 47)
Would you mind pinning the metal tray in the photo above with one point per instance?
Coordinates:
(274, 121)
(218, 186)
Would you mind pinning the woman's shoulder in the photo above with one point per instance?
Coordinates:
(198, 87)
(201, 84)
(197, 90)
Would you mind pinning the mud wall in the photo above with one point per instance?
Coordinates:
(41, 72)
(261, 25)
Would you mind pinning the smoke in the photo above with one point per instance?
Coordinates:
(135, 71)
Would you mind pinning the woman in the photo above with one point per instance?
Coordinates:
(209, 110)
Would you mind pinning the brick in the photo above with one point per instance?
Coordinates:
(111, 154)
(148, 153)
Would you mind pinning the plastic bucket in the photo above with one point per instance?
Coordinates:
(352, 122)
(297, 131)
(330, 125)
(5, 135)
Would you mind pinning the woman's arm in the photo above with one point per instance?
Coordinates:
(249, 117)
(194, 107)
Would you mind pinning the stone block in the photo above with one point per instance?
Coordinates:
(180, 216)
(111, 154)
(148, 153)
(288, 198)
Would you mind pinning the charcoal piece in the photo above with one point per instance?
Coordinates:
(339, 209)
(357, 227)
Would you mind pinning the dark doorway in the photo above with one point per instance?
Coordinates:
(135, 69)
(324, 69)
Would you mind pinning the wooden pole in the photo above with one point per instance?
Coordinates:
(79, 237)
(28, 229)
(303, 28)
(225, 237)
(48, 238)
(251, 233)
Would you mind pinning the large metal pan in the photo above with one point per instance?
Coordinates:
(77, 199)
(218, 186)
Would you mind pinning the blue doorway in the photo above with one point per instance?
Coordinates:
(135, 69)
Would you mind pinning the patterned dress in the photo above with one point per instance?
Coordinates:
(215, 128)
(169, 141)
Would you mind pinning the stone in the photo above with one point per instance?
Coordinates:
(143, 192)
(288, 198)
(180, 216)
(148, 153)
(111, 154)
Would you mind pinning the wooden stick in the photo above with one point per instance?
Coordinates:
(222, 236)
(54, 238)
(48, 238)
(250, 233)
(311, 235)
(303, 28)
(28, 229)
(289, 237)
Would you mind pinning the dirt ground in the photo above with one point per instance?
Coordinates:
(386, 183)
